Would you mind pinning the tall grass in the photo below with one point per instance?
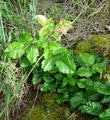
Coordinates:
(8, 71)
(15, 18)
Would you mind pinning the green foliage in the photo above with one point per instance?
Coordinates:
(84, 83)
(87, 58)
(105, 114)
(77, 99)
(84, 72)
(104, 88)
(93, 108)
(75, 77)
(18, 48)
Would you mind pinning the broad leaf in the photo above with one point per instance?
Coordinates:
(92, 94)
(24, 62)
(48, 64)
(63, 90)
(66, 64)
(105, 115)
(47, 77)
(59, 77)
(48, 87)
(45, 87)
(46, 30)
(66, 81)
(52, 48)
(88, 59)
(84, 83)
(68, 89)
(102, 60)
(36, 79)
(77, 100)
(94, 97)
(15, 50)
(97, 84)
(106, 99)
(32, 53)
(63, 98)
(104, 88)
(97, 68)
(71, 81)
(26, 38)
(93, 108)
(84, 72)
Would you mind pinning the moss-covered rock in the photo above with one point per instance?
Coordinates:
(48, 109)
(99, 44)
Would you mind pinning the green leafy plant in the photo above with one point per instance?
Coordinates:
(75, 77)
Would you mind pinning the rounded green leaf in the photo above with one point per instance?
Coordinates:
(77, 100)
(63, 98)
(47, 64)
(105, 115)
(32, 54)
(15, 50)
(67, 80)
(48, 87)
(97, 68)
(84, 72)
(104, 88)
(54, 48)
(45, 87)
(26, 38)
(84, 83)
(93, 108)
(36, 79)
(66, 64)
(106, 99)
(87, 58)
(71, 81)
(47, 77)
(24, 62)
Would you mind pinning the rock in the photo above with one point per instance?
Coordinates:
(99, 44)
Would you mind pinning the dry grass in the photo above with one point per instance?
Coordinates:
(89, 17)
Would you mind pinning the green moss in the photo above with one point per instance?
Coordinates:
(48, 109)
(99, 44)
(82, 47)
